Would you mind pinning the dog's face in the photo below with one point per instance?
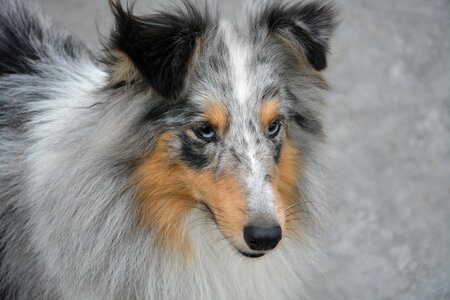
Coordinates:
(227, 108)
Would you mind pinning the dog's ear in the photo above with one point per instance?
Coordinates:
(305, 28)
(156, 49)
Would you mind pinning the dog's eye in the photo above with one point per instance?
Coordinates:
(273, 129)
(205, 132)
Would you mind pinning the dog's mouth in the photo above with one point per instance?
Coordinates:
(242, 252)
(251, 255)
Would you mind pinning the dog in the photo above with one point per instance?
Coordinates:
(185, 162)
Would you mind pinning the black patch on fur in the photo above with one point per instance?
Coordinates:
(307, 26)
(16, 51)
(160, 45)
(278, 147)
(269, 92)
(251, 125)
(173, 113)
(24, 41)
(308, 123)
(163, 109)
(119, 85)
(193, 152)
(304, 119)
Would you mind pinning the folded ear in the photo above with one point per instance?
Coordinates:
(304, 27)
(155, 49)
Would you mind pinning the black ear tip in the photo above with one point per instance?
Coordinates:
(306, 26)
(120, 14)
(318, 60)
(116, 7)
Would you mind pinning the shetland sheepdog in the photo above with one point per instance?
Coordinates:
(182, 163)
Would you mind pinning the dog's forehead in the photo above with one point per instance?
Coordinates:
(236, 71)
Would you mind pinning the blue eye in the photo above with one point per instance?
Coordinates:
(205, 132)
(273, 129)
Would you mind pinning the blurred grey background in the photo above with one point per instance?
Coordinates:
(390, 143)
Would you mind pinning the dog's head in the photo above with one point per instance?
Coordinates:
(237, 112)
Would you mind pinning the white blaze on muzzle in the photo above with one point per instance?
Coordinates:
(261, 206)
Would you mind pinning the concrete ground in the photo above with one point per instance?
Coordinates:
(390, 138)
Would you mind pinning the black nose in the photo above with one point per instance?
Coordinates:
(262, 238)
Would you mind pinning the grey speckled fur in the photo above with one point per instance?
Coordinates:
(69, 143)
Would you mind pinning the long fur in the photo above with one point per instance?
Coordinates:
(73, 129)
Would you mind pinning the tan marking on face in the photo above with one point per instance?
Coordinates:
(216, 115)
(285, 185)
(268, 112)
(162, 198)
(225, 198)
(167, 189)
